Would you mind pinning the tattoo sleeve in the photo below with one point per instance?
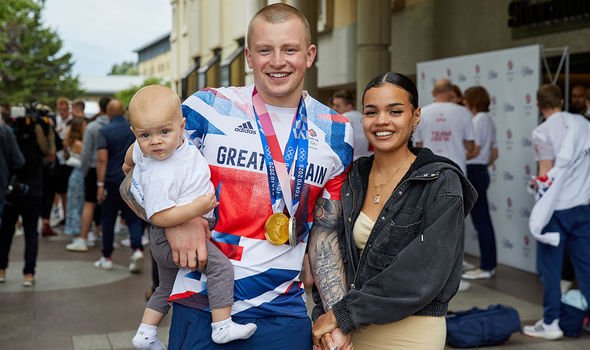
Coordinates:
(127, 196)
(324, 254)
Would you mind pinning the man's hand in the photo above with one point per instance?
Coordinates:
(188, 243)
(100, 194)
(322, 326)
(336, 340)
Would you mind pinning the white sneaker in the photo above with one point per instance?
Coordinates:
(479, 274)
(77, 245)
(104, 263)
(127, 242)
(467, 266)
(545, 331)
(136, 262)
(463, 286)
(91, 241)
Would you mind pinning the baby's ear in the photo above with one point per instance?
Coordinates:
(183, 123)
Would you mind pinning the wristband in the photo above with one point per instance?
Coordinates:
(100, 184)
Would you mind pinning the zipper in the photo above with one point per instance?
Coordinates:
(350, 243)
(423, 178)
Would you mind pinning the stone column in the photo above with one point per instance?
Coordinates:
(310, 10)
(373, 37)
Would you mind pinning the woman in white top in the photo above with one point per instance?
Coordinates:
(477, 101)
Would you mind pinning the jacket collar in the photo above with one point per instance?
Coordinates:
(427, 165)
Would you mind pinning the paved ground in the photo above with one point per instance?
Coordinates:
(74, 306)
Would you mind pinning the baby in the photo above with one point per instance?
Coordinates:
(171, 182)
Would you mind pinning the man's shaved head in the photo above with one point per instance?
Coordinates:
(115, 108)
(279, 13)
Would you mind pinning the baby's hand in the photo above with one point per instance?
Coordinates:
(206, 203)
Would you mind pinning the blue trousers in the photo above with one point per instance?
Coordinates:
(573, 226)
(480, 215)
(191, 330)
(110, 207)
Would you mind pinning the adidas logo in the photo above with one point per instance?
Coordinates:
(246, 128)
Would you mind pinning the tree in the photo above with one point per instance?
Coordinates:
(32, 68)
(125, 95)
(125, 68)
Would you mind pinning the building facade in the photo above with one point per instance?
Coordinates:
(153, 58)
(360, 39)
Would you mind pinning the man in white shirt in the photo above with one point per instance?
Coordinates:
(562, 150)
(477, 101)
(446, 127)
(343, 103)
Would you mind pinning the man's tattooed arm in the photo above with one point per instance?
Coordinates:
(324, 254)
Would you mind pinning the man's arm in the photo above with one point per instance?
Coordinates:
(471, 149)
(324, 254)
(102, 156)
(544, 166)
(493, 156)
(128, 163)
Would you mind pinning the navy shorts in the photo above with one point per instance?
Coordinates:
(192, 330)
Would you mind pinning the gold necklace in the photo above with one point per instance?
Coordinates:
(379, 188)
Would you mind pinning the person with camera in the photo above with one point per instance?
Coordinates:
(35, 142)
(10, 158)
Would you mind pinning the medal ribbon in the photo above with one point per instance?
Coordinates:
(278, 165)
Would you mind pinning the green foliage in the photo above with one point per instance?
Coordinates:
(32, 68)
(125, 95)
(125, 68)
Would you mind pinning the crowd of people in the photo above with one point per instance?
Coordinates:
(64, 161)
(376, 199)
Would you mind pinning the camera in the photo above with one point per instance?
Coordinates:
(16, 188)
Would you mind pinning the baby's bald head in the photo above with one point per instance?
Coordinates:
(154, 101)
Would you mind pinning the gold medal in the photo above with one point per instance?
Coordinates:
(277, 229)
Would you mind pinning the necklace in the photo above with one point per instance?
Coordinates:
(379, 188)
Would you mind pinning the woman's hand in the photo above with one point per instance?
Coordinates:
(323, 325)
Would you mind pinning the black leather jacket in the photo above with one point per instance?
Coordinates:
(411, 264)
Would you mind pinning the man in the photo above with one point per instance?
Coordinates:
(11, 158)
(446, 127)
(578, 100)
(113, 141)
(78, 107)
(231, 125)
(561, 214)
(89, 151)
(343, 103)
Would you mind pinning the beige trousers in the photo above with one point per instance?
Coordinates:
(414, 332)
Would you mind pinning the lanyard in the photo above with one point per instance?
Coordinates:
(279, 165)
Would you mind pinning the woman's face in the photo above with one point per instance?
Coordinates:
(388, 117)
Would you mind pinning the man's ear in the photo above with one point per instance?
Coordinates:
(312, 51)
(248, 54)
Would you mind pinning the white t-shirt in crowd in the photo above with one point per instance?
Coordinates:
(547, 141)
(179, 179)
(485, 137)
(361, 144)
(443, 128)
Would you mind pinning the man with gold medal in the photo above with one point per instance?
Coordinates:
(270, 140)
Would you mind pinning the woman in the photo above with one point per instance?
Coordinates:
(477, 101)
(75, 194)
(402, 237)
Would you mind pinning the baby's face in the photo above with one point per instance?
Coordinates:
(159, 133)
